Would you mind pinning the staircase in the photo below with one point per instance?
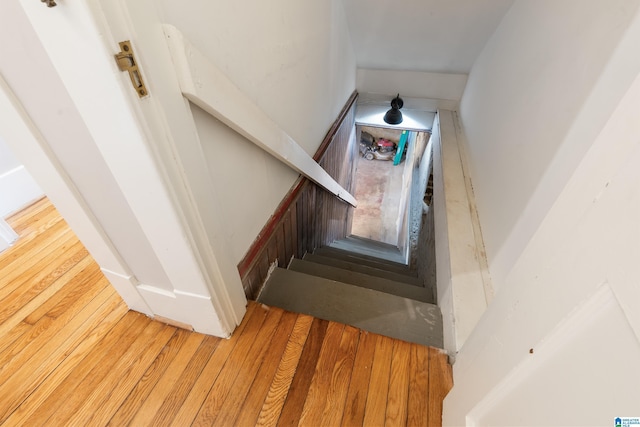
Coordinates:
(359, 282)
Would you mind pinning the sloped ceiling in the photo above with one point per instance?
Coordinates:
(422, 35)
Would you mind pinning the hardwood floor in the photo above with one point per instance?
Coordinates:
(72, 354)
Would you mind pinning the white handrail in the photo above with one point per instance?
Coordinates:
(209, 88)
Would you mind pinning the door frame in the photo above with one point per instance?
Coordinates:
(171, 199)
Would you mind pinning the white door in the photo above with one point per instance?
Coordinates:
(179, 271)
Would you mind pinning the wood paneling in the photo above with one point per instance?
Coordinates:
(308, 217)
(74, 355)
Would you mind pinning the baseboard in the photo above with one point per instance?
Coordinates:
(189, 311)
(125, 285)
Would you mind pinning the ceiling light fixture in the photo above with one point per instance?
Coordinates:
(394, 116)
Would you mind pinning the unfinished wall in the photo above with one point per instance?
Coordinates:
(295, 61)
(386, 133)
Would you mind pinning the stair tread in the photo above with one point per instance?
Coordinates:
(363, 280)
(365, 260)
(364, 246)
(369, 242)
(355, 266)
(367, 309)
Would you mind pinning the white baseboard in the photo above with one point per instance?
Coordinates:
(125, 285)
(17, 190)
(194, 310)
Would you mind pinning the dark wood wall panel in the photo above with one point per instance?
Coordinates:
(309, 216)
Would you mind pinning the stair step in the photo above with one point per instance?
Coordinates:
(369, 247)
(370, 310)
(368, 242)
(363, 280)
(365, 260)
(371, 271)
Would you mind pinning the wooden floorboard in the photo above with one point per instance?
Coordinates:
(359, 382)
(72, 354)
(376, 406)
(398, 396)
(417, 411)
(280, 385)
(317, 394)
(336, 393)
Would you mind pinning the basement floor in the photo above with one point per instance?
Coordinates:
(378, 184)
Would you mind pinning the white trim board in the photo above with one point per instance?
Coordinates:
(461, 290)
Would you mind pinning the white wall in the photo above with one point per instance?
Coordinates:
(423, 94)
(17, 190)
(251, 180)
(372, 114)
(542, 87)
(7, 160)
(560, 343)
(295, 61)
(551, 116)
(435, 35)
(17, 187)
(416, 84)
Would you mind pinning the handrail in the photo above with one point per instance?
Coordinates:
(209, 88)
(291, 199)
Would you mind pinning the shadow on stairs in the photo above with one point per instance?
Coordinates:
(362, 283)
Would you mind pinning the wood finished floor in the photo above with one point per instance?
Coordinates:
(72, 354)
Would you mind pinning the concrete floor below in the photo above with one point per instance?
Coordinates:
(378, 185)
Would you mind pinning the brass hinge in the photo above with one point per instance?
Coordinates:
(127, 62)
